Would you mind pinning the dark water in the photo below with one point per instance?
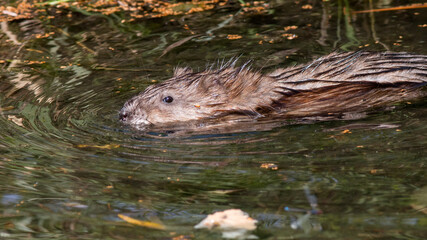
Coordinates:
(69, 168)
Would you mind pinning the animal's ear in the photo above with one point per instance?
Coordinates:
(181, 71)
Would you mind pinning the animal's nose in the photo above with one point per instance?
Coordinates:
(123, 116)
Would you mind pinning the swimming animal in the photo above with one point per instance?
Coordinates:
(333, 84)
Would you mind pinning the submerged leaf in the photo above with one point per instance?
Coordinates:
(106, 146)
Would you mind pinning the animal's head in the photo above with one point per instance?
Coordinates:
(192, 96)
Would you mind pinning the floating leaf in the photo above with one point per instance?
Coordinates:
(16, 120)
(233, 223)
(271, 166)
(142, 223)
(228, 219)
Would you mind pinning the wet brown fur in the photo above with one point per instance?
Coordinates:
(339, 82)
(347, 98)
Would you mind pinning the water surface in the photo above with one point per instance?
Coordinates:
(69, 168)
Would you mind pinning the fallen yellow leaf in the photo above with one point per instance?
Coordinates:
(346, 131)
(271, 166)
(142, 223)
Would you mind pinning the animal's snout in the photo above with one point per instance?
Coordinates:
(123, 116)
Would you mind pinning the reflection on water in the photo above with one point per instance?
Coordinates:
(69, 168)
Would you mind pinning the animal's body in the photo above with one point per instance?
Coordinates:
(336, 83)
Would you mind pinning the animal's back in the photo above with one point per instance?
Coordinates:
(355, 67)
(351, 82)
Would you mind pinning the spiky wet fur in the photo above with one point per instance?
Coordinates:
(335, 83)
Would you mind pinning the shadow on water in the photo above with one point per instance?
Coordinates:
(69, 167)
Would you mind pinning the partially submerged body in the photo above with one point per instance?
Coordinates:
(337, 83)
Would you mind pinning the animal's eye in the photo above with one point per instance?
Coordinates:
(168, 99)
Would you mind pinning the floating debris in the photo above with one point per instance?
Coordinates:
(234, 224)
(233, 36)
(271, 166)
(138, 222)
(18, 121)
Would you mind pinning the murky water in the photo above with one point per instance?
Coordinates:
(69, 168)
